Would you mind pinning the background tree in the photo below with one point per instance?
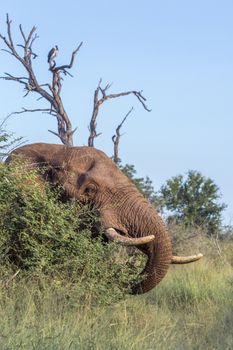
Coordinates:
(144, 185)
(193, 201)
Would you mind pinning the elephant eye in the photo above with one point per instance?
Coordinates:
(90, 190)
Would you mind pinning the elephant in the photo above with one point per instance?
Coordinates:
(89, 175)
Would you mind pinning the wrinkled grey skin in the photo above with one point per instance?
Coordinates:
(89, 175)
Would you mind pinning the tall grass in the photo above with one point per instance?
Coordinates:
(191, 309)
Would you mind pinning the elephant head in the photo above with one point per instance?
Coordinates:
(89, 175)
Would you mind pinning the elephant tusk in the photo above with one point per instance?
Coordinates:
(185, 259)
(112, 235)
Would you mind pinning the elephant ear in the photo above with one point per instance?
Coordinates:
(69, 168)
(38, 156)
(60, 164)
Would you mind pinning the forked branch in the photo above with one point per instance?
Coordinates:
(99, 101)
(64, 67)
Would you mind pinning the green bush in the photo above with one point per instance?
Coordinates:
(42, 236)
(7, 140)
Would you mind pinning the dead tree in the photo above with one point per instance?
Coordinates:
(116, 138)
(99, 101)
(51, 92)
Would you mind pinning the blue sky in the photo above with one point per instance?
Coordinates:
(179, 52)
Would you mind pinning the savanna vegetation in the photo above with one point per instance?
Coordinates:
(62, 287)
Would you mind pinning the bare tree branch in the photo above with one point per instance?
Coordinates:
(20, 80)
(117, 136)
(53, 132)
(44, 110)
(8, 22)
(22, 33)
(31, 84)
(64, 67)
(28, 41)
(99, 101)
(6, 50)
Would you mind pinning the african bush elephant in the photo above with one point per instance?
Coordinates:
(91, 176)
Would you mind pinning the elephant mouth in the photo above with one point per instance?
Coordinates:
(122, 237)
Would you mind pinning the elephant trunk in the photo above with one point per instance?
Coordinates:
(139, 219)
(159, 255)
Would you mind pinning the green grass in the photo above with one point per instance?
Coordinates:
(191, 309)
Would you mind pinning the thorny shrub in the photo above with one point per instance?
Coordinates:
(42, 236)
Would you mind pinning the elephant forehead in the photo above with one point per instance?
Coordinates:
(93, 162)
(83, 154)
(89, 158)
(105, 173)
